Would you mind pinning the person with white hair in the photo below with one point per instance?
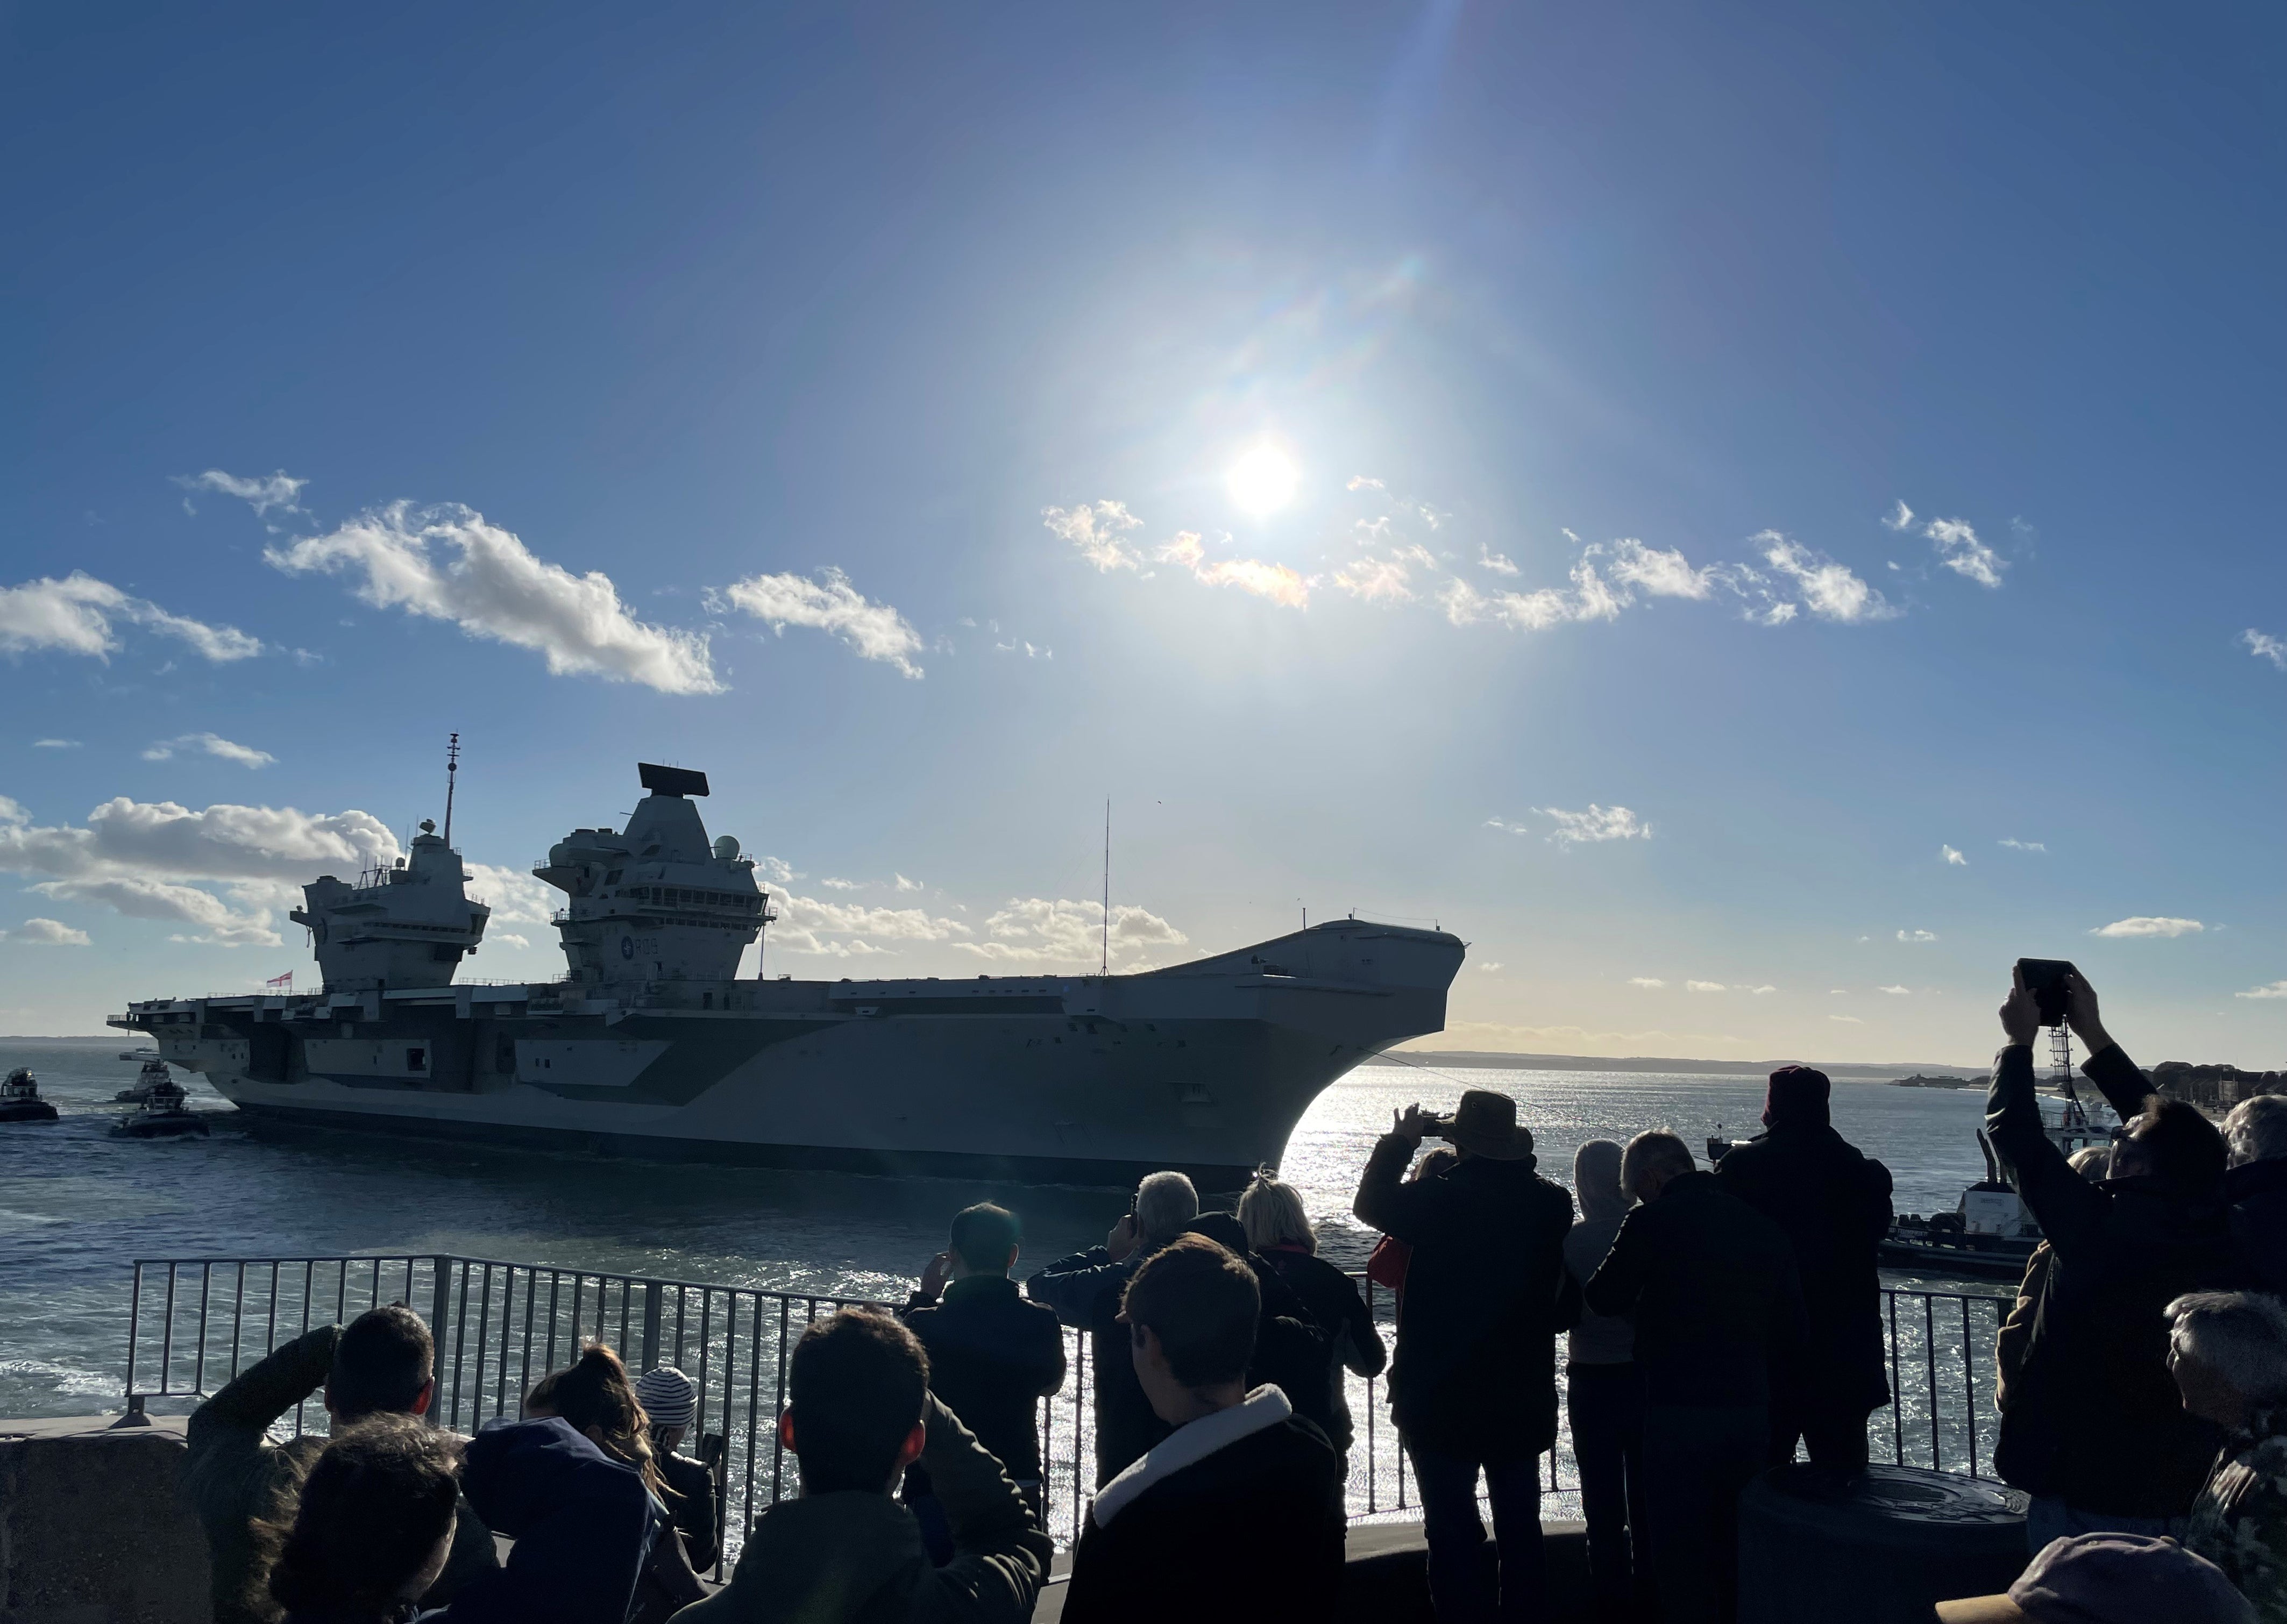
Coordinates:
(670, 1400)
(2228, 1351)
(1278, 1232)
(1084, 1289)
(2255, 1184)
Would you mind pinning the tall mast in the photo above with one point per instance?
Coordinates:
(1106, 967)
(452, 772)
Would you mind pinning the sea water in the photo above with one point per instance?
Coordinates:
(77, 1207)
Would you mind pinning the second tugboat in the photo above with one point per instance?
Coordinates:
(164, 1114)
(154, 1072)
(19, 1099)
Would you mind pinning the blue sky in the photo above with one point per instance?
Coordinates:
(1729, 460)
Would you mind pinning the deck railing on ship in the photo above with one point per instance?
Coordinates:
(194, 1323)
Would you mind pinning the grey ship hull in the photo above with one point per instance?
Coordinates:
(1204, 1068)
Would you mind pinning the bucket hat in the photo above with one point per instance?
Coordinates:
(1484, 1124)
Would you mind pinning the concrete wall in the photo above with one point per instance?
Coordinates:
(94, 1528)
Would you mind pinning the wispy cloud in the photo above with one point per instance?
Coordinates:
(1597, 823)
(1705, 986)
(55, 744)
(1591, 598)
(1952, 858)
(1917, 935)
(1897, 992)
(1847, 1020)
(1664, 574)
(266, 493)
(1500, 564)
(1364, 482)
(1828, 589)
(1764, 989)
(76, 615)
(2269, 989)
(1490, 965)
(447, 564)
(1259, 577)
(2264, 647)
(1097, 529)
(2149, 925)
(47, 933)
(1652, 982)
(1037, 930)
(2015, 844)
(210, 744)
(829, 604)
(1959, 550)
(1383, 580)
(1899, 516)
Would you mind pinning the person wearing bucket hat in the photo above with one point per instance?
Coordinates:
(1473, 1386)
(670, 1399)
(2110, 1578)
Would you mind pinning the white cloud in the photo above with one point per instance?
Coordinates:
(1595, 824)
(1651, 982)
(876, 631)
(840, 885)
(1960, 551)
(278, 491)
(149, 859)
(1828, 589)
(2269, 989)
(1899, 516)
(1096, 529)
(2016, 845)
(1375, 579)
(902, 884)
(1591, 598)
(1897, 992)
(2264, 647)
(55, 744)
(76, 615)
(514, 895)
(2146, 925)
(1500, 564)
(1759, 990)
(1035, 930)
(210, 744)
(1952, 857)
(1260, 577)
(508, 938)
(1917, 935)
(1838, 992)
(1849, 1020)
(47, 933)
(1363, 482)
(1703, 986)
(1663, 574)
(1490, 965)
(447, 564)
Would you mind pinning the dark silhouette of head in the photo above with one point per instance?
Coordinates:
(855, 1390)
(1221, 1228)
(984, 1238)
(2174, 1144)
(1797, 1099)
(1201, 1301)
(374, 1515)
(380, 1365)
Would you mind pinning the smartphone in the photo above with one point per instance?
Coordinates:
(2045, 979)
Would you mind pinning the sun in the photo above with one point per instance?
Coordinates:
(1264, 480)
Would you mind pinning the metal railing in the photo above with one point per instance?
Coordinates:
(195, 1323)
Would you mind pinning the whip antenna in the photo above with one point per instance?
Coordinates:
(452, 772)
(1106, 967)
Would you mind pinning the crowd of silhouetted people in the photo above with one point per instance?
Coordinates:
(1718, 1324)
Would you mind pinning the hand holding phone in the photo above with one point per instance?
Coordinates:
(2046, 979)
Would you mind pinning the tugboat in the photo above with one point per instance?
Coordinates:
(165, 1114)
(138, 1054)
(1988, 1235)
(19, 1099)
(154, 1073)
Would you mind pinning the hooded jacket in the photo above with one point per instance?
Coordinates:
(857, 1557)
(1598, 1339)
(582, 1522)
(2095, 1418)
(1476, 1368)
(1834, 1205)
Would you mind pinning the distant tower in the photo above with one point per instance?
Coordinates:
(2061, 1056)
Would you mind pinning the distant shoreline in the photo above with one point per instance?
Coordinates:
(1844, 1071)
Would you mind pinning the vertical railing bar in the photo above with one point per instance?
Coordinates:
(237, 1316)
(309, 1288)
(681, 1298)
(507, 1319)
(167, 1337)
(342, 1292)
(706, 1323)
(778, 1443)
(484, 1340)
(269, 1327)
(1897, 1389)
(753, 1437)
(1969, 1385)
(548, 1354)
(134, 1324)
(1929, 1356)
(459, 1345)
(199, 1365)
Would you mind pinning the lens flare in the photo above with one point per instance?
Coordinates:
(1264, 480)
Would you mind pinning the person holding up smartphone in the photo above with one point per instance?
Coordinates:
(2094, 1430)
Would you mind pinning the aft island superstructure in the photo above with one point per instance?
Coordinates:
(653, 1047)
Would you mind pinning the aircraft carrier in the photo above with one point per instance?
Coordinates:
(652, 1047)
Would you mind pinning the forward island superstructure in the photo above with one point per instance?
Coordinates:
(654, 1047)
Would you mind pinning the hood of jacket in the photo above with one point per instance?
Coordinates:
(1596, 1180)
(827, 1556)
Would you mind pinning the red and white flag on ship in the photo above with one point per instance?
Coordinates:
(281, 983)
